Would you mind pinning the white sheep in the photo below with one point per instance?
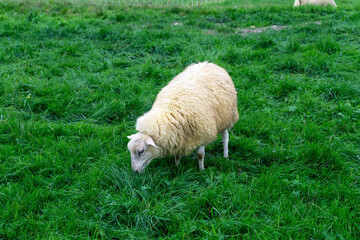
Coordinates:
(315, 2)
(188, 113)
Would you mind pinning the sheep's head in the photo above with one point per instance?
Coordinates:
(143, 150)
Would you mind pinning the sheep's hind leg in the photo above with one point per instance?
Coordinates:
(177, 160)
(225, 140)
(200, 153)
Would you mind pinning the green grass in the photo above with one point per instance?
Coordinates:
(74, 78)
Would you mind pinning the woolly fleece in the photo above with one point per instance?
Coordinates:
(191, 110)
(315, 2)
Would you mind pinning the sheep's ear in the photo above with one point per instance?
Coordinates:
(150, 142)
(130, 137)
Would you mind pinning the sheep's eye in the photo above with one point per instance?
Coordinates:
(140, 152)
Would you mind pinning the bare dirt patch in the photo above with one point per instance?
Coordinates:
(254, 29)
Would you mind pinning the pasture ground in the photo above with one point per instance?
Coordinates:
(74, 78)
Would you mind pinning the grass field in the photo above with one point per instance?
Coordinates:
(74, 78)
(146, 3)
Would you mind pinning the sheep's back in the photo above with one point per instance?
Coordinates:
(199, 103)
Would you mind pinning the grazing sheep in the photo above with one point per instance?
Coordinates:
(188, 113)
(315, 2)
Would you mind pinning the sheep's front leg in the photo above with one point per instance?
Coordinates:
(200, 153)
(225, 140)
(297, 3)
(177, 160)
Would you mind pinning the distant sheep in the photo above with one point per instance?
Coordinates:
(188, 113)
(315, 2)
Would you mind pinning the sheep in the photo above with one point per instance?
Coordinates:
(315, 2)
(188, 113)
